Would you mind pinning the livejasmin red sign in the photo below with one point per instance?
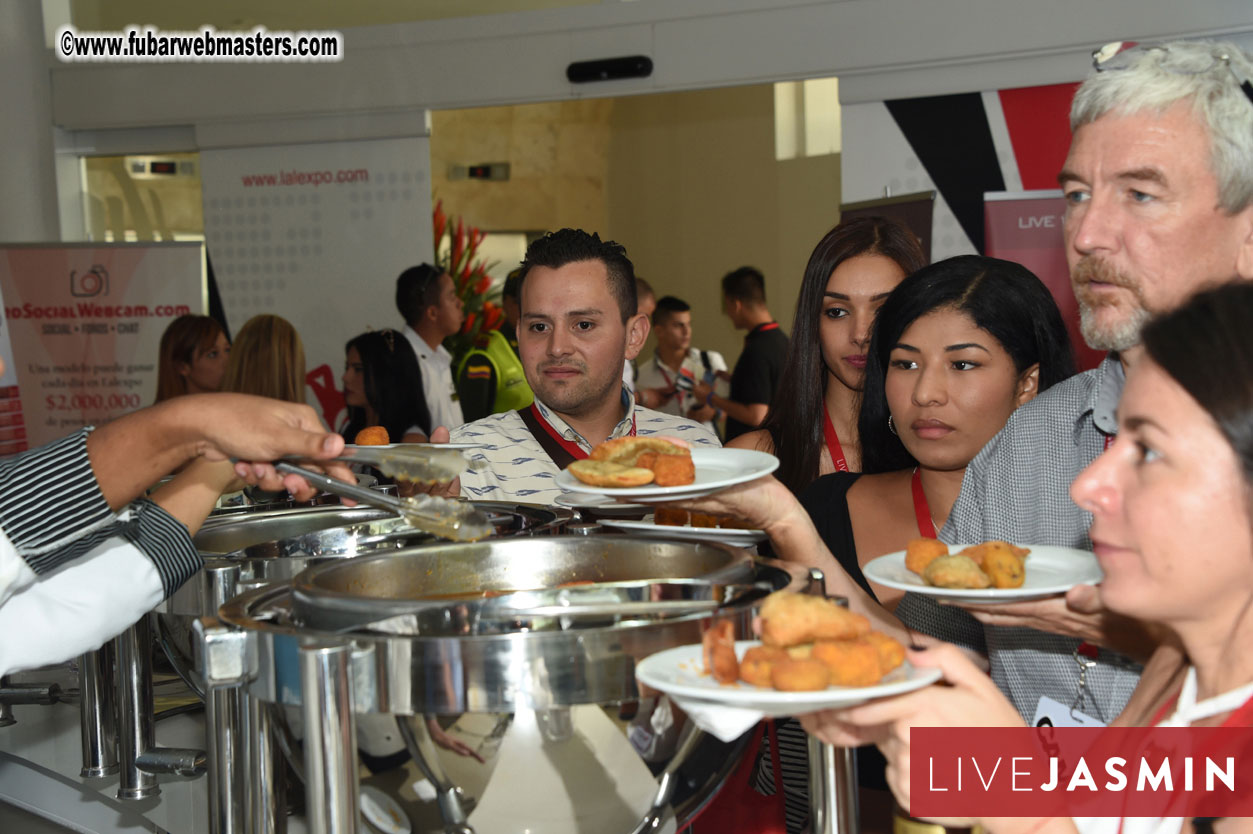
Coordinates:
(1081, 772)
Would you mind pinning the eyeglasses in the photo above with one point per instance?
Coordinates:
(1120, 55)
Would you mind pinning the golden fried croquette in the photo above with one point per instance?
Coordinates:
(955, 571)
(704, 520)
(852, 662)
(891, 651)
(980, 552)
(670, 517)
(601, 474)
(718, 647)
(372, 436)
(1004, 567)
(730, 522)
(627, 450)
(673, 470)
(757, 663)
(789, 675)
(790, 618)
(920, 552)
(800, 652)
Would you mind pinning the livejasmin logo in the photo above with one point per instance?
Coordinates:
(1149, 779)
(1081, 772)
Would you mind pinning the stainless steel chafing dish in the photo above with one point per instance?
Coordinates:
(490, 644)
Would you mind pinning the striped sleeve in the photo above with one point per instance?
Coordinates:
(164, 540)
(49, 500)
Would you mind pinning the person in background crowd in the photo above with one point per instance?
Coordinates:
(490, 379)
(81, 559)
(1158, 186)
(646, 304)
(760, 366)
(849, 275)
(428, 302)
(1171, 527)
(579, 323)
(194, 351)
(510, 304)
(382, 387)
(268, 360)
(667, 382)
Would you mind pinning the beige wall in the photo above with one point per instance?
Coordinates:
(558, 153)
(687, 182)
(695, 191)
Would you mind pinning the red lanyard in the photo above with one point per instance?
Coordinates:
(833, 443)
(569, 445)
(762, 328)
(1109, 440)
(926, 527)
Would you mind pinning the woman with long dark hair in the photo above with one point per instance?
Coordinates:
(383, 387)
(812, 425)
(956, 347)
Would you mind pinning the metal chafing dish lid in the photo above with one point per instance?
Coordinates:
(501, 586)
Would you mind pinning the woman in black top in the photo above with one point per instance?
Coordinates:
(955, 349)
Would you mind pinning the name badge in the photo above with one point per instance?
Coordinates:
(1050, 713)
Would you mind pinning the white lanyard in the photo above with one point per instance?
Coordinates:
(1187, 710)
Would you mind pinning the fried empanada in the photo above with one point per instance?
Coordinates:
(920, 552)
(955, 571)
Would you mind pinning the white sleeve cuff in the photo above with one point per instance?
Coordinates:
(77, 607)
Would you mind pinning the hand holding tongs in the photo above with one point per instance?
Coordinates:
(451, 519)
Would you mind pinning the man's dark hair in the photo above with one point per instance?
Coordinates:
(417, 288)
(668, 305)
(745, 284)
(556, 249)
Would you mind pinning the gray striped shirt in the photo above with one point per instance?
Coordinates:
(1018, 489)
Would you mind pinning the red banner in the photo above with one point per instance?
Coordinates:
(1027, 227)
(1081, 772)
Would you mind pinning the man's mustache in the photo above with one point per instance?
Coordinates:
(1091, 270)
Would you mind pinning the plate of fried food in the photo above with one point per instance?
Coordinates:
(670, 523)
(655, 469)
(986, 573)
(813, 655)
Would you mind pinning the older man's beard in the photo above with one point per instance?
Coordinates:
(1108, 323)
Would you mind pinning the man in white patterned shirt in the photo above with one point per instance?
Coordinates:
(579, 322)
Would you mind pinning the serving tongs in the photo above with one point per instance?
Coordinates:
(455, 520)
(425, 463)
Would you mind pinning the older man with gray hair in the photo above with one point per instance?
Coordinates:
(1159, 203)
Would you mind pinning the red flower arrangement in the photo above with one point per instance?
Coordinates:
(469, 274)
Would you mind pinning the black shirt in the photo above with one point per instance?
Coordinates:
(757, 371)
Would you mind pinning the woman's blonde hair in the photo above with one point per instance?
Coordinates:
(268, 360)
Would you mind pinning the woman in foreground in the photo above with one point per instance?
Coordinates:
(1173, 532)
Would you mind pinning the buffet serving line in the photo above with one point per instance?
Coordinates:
(360, 673)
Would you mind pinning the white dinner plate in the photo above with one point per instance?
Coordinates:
(681, 672)
(726, 535)
(599, 504)
(716, 469)
(1050, 570)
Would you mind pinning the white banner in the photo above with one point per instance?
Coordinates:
(85, 322)
(318, 234)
